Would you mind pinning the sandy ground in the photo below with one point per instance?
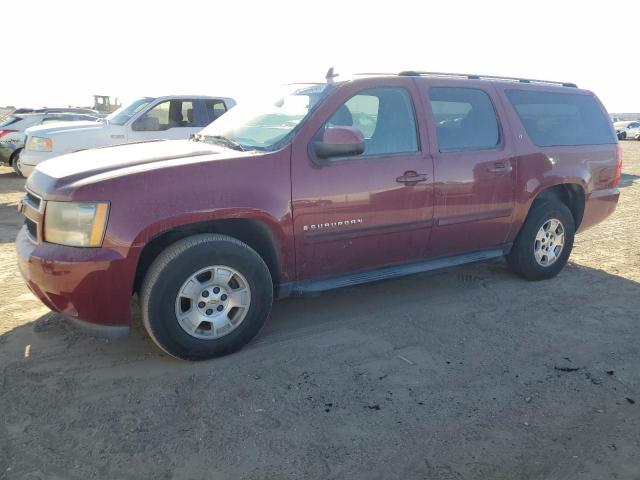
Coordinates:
(468, 374)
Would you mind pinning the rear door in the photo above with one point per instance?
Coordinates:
(360, 212)
(473, 164)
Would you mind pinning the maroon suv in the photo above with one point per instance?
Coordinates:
(329, 185)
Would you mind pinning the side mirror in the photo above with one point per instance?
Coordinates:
(339, 142)
(146, 124)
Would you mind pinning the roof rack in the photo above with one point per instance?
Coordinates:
(471, 76)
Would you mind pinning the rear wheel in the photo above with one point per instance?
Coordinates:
(206, 296)
(544, 244)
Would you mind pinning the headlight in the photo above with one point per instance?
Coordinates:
(76, 224)
(39, 144)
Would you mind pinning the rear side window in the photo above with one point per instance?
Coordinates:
(215, 109)
(464, 118)
(557, 119)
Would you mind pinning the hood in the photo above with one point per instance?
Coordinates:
(100, 163)
(63, 127)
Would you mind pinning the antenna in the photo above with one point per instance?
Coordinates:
(330, 75)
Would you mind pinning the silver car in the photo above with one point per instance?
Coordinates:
(629, 130)
(12, 128)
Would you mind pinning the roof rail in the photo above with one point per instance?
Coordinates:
(471, 76)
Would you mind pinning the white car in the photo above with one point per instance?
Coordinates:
(13, 127)
(162, 118)
(628, 130)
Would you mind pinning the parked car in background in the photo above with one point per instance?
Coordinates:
(161, 118)
(629, 130)
(13, 127)
(328, 186)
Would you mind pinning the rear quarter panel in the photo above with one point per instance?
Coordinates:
(591, 167)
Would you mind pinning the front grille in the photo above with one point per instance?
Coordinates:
(32, 207)
(32, 228)
(33, 200)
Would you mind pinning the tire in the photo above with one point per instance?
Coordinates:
(13, 161)
(622, 136)
(523, 258)
(169, 315)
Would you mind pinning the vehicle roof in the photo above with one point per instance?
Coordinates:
(186, 97)
(42, 114)
(467, 76)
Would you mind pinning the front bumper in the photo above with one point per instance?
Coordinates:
(29, 160)
(599, 204)
(87, 284)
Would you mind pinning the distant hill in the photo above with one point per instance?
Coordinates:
(625, 116)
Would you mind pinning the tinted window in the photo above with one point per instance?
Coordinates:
(553, 119)
(215, 108)
(464, 119)
(385, 118)
(634, 125)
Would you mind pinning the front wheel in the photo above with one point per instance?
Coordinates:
(13, 161)
(206, 296)
(543, 246)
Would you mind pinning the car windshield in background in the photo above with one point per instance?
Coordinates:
(9, 120)
(124, 114)
(265, 126)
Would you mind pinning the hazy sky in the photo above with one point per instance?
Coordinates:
(61, 52)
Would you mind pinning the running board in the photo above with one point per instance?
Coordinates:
(321, 285)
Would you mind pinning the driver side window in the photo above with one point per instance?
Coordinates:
(385, 118)
(166, 115)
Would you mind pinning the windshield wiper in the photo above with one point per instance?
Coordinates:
(227, 142)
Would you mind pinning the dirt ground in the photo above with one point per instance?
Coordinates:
(469, 374)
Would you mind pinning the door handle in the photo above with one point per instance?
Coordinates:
(411, 178)
(500, 167)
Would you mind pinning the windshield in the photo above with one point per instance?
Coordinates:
(9, 120)
(123, 114)
(264, 126)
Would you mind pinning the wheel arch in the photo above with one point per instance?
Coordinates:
(255, 233)
(14, 156)
(571, 194)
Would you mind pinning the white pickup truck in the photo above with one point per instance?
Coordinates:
(170, 118)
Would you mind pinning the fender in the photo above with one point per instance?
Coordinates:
(281, 232)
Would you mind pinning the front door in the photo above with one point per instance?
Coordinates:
(361, 212)
(474, 169)
(175, 119)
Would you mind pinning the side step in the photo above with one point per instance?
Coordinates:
(321, 285)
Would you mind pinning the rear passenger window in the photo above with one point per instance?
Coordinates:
(384, 116)
(465, 119)
(556, 119)
(215, 109)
